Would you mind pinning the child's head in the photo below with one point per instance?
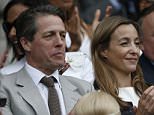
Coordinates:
(96, 103)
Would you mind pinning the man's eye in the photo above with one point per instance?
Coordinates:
(46, 36)
(124, 44)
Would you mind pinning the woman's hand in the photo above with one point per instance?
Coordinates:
(146, 102)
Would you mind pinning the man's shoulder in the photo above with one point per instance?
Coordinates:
(77, 82)
(13, 68)
(9, 79)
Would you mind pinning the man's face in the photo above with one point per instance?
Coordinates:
(47, 51)
(148, 36)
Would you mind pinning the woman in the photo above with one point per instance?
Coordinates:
(115, 51)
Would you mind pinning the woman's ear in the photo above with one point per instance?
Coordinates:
(25, 44)
(104, 53)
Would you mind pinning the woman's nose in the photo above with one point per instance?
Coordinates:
(135, 49)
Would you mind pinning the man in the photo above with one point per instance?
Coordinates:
(147, 58)
(41, 32)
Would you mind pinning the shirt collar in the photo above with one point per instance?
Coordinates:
(37, 75)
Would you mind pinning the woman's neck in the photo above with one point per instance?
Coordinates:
(124, 79)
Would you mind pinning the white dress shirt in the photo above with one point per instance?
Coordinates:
(128, 94)
(36, 76)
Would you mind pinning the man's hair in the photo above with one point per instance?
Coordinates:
(25, 24)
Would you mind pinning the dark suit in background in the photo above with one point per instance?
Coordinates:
(148, 69)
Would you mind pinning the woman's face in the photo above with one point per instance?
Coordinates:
(123, 51)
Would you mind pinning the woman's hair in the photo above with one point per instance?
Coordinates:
(96, 103)
(104, 76)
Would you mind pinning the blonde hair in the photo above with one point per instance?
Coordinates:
(96, 103)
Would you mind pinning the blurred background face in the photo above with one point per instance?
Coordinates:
(144, 4)
(13, 13)
(62, 3)
(123, 51)
(148, 36)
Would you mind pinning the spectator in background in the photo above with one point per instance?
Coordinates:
(125, 8)
(96, 103)
(11, 11)
(41, 32)
(115, 52)
(144, 4)
(147, 58)
(88, 9)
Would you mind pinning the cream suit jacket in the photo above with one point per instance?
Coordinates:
(23, 97)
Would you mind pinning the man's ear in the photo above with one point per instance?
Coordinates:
(25, 44)
(104, 53)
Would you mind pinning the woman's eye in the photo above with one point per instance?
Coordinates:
(137, 43)
(48, 35)
(63, 35)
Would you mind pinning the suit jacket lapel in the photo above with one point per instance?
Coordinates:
(30, 93)
(70, 93)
